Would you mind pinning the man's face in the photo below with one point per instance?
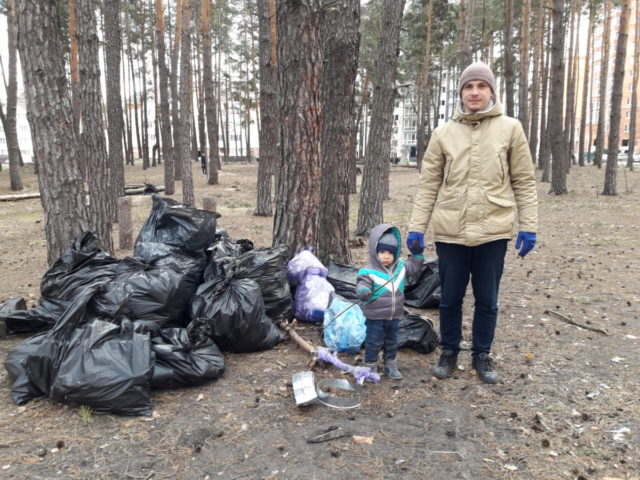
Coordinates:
(475, 96)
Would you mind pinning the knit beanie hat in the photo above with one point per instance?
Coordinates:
(388, 242)
(477, 71)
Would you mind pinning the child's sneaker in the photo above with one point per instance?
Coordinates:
(391, 370)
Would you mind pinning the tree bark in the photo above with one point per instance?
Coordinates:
(175, 100)
(75, 85)
(10, 130)
(299, 74)
(508, 58)
(465, 21)
(210, 101)
(613, 143)
(571, 91)
(269, 127)
(585, 87)
(341, 42)
(142, 65)
(523, 91)
(423, 84)
(634, 94)
(556, 97)
(55, 143)
(113, 48)
(538, 50)
(188, 197)
(165, 124)
(604, 75)
(101, 189)
(370, 211)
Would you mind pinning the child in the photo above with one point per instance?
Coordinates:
(380, 287)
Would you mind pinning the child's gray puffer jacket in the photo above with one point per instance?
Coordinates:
(383, 287)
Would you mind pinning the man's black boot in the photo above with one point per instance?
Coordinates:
(483, 366)
(446, 364)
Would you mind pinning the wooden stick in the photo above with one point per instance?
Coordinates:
(290, 329)
(573, 322)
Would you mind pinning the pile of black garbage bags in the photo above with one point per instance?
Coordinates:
(109, 330)
(113, 329)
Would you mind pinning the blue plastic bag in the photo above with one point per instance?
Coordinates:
(346, 331)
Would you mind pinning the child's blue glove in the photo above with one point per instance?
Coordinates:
(363, 294)
(527, 241)
(415, 243)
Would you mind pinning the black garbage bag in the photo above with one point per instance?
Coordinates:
(22, 389)
(190, 265)
(144, 291)
(425, 292)
(222, 254)
(179, 363)
(417, 332)
(343, 278)
(230, 311)
(268, 267)
(18, 319)
(85, 361)
(82, 265)
(178, 225)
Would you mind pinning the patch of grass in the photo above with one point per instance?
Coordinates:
(86, 413)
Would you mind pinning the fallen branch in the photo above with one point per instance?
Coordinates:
(140, 191)
(568, 319)
(19, 196)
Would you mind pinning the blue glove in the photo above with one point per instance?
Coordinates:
(527, 241)
(415, 243)
(363, 294)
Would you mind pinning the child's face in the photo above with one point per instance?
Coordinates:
(385, 257)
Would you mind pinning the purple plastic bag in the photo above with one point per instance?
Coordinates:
(313, 291)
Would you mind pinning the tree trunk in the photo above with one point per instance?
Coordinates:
(188, 197)
(101, 189)
(508, 58)
(142, 65)
(135, 119)
(299, 74)
(156, 101)
(269, 127)
(165, 124)
(465, 21)
(175, 110)
(423, 111)
(571, 102)
(538, 50)
(113, 48)
(604, 75)
(55, 143)
(370, 211)
(211, 114)
(523, 91)
(543, 152)
(10, 131)
(75, 86)
(341, 41)
(613, 143)
(585, 86)
(556, 97)
(634, 94)
(202, 131)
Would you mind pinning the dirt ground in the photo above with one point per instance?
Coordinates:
(567, 407)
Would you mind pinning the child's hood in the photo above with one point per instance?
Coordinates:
(374, 238)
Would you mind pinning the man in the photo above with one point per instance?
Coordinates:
(476, 169)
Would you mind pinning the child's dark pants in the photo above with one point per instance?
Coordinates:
(381, 335)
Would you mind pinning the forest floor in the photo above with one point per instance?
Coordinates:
(566, 408)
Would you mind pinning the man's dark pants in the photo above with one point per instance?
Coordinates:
(484, 265)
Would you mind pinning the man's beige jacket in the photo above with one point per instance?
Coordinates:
(476, 169)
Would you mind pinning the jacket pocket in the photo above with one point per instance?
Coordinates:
(447, 217)
(500, 215)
